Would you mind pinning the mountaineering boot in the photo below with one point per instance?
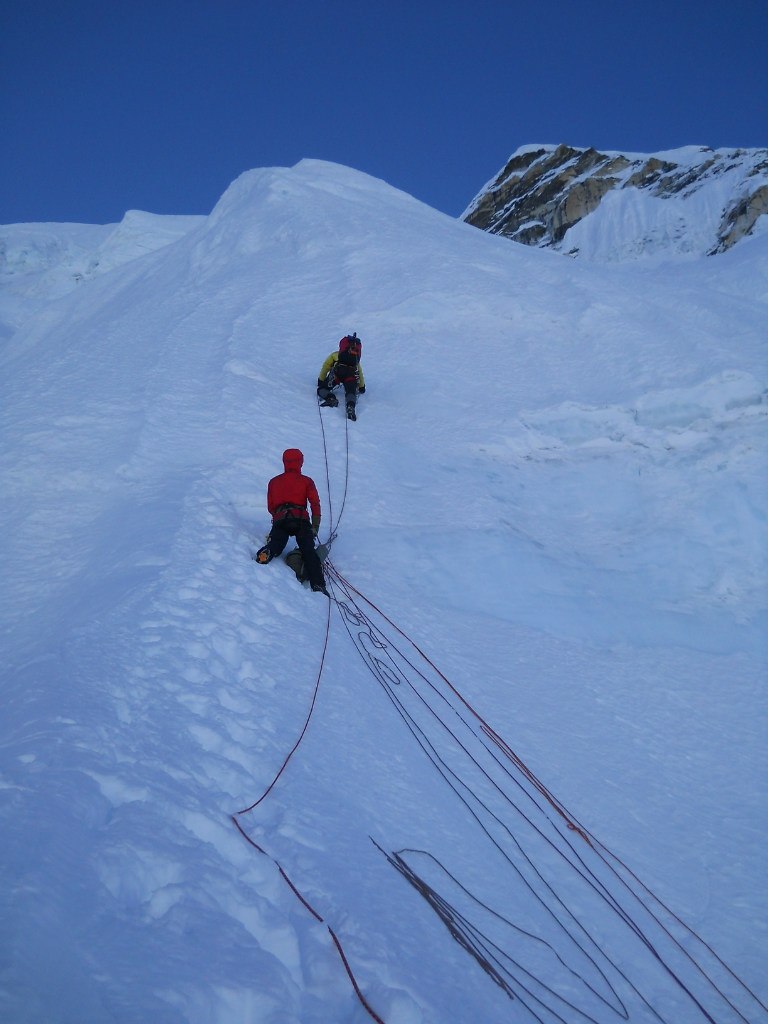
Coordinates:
(296, 562)
(331, 401)
(351, 415)
(263, 555)
(319, 588)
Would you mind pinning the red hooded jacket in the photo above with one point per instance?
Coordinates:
(288, 494)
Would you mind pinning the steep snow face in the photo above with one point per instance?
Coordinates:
(556, 487)
(616, 207)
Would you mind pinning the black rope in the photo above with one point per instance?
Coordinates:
(387, 673)
(334, 527)
(368, 642)
(494, 960)
(390, 675)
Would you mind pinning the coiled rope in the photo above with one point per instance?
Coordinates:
(393, 668)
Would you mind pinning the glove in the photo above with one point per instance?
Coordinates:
(315, 525)
(361, 389)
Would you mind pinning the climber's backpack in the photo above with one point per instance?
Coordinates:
(352, 344)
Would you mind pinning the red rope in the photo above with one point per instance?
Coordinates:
(356, 987)
(304, 901)
(296, 892)
(295, 747)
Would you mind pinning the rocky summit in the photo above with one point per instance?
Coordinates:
(613, 206)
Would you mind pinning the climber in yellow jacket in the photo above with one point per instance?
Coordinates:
(342, 368)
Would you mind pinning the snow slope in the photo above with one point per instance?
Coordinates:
(41, 261)
(556, 489)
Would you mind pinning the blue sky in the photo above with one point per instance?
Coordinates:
(159, 104)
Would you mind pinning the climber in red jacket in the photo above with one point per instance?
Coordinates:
(287, 499)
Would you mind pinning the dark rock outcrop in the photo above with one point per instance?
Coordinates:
(689, 201)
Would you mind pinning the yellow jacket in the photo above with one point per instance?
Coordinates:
(330, 362)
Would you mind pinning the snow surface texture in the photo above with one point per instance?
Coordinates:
(556, 488)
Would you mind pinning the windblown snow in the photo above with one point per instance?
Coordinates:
(553, 807)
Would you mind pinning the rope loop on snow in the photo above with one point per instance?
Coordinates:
(393, 669)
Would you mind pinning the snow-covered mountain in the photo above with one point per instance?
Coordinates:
(553, 807)
(616, 206)
(39, 262)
